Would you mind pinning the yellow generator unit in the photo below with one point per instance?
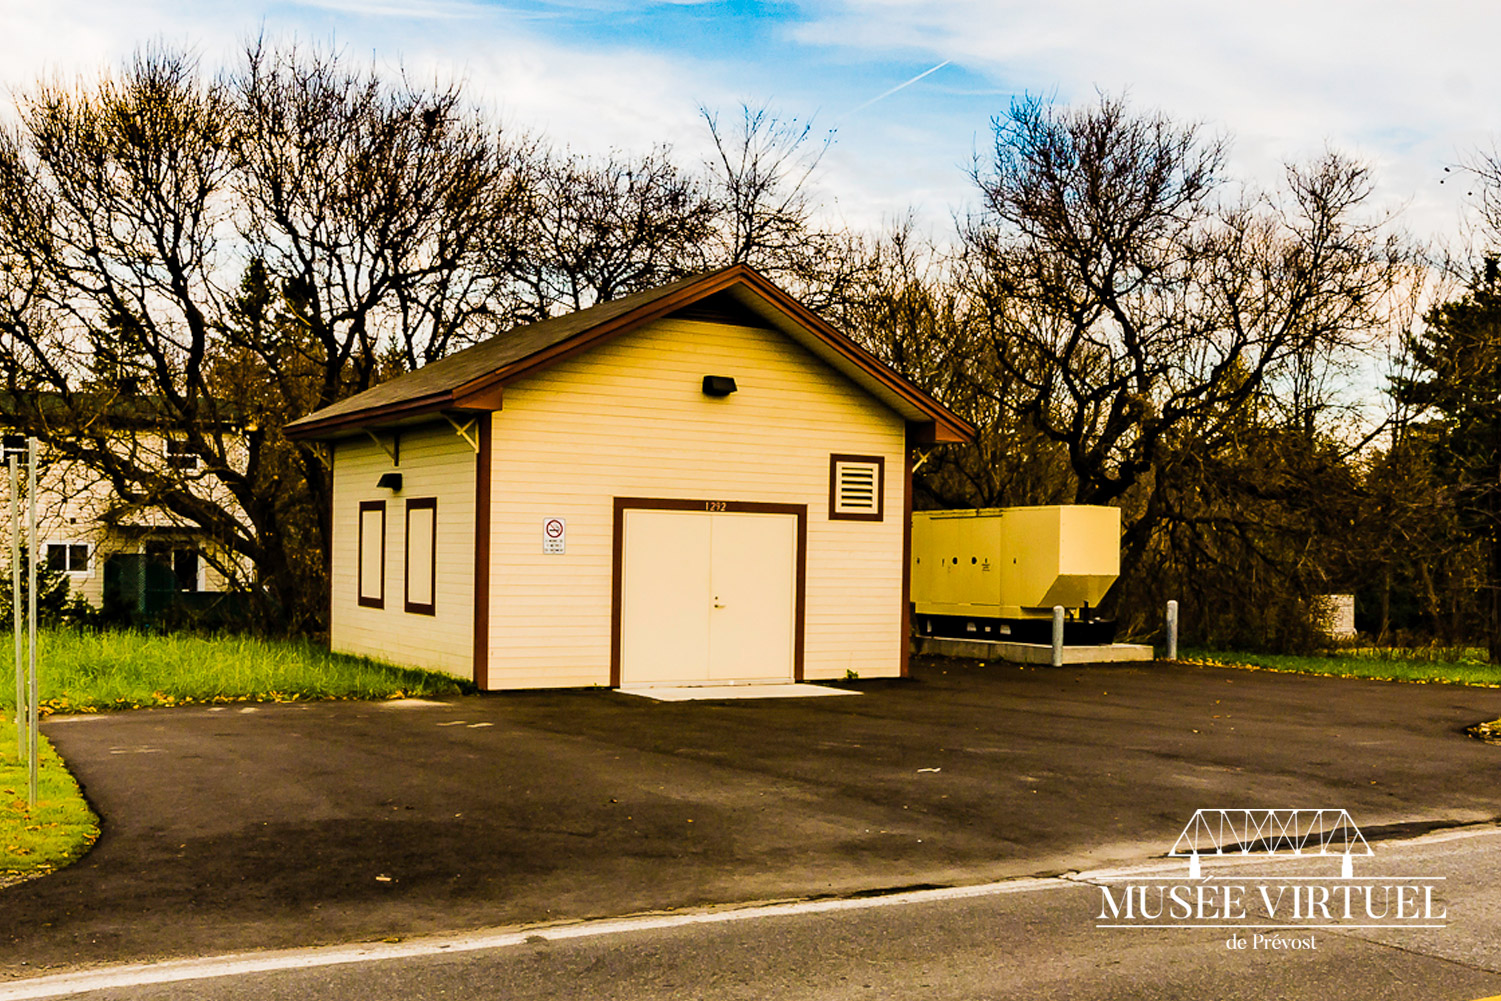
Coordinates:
(997, 573)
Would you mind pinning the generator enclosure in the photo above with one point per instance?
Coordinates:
(997, 573)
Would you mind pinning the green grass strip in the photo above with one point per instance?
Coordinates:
(58, 831)
(84, 671)
(1418, 666)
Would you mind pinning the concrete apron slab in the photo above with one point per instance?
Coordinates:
(691, 693)
(1034, 653)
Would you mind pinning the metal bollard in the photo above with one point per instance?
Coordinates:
(1172, 630)
(1057, 635)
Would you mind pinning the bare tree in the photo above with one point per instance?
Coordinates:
(214, 257)
(761, 168)
(908, 304)
(760, 177)
(596, 230)
(1129, 297)
(1169, 332)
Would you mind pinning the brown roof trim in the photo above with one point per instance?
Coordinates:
(482, 392)
(957, 428)
(432, 403)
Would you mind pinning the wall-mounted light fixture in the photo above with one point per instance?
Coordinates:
(718, 385)
(389, 481)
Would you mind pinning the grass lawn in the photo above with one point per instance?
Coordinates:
(1420, 665)
(81, 671)
(59, 830)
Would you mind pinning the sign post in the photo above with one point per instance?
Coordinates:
(28, 716)
(15, 600)
(31, 450)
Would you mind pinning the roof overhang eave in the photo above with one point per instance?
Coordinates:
(353, 422)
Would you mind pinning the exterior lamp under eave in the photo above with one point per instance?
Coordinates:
(718, 385)
(389, 481)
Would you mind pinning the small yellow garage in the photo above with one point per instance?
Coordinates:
(704, 483)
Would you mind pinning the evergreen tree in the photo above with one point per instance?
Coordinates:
(1458, 358)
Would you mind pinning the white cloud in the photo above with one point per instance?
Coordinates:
(591, 97)
(1408, 87)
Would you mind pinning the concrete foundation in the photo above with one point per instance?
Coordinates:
(1033, 653)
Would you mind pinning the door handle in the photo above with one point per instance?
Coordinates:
(717, 603)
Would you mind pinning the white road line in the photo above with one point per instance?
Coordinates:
(175, 971)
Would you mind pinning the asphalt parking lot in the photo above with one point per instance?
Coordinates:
(281, 825)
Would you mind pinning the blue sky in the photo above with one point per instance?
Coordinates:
(1408, 90)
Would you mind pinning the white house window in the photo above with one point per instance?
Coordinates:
(371, 573)
(68, 557)
(178, 455)
(856, 484)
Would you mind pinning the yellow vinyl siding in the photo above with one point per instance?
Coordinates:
(435, 462)
(629, 419)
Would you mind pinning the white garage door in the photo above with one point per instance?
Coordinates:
(707, 597)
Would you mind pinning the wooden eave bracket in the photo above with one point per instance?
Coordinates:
(390, 452)
(320, 452)
(467, 430)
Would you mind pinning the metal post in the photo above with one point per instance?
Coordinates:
(1172, 630)
(1057, 635)
(15, 604)
(31, 450)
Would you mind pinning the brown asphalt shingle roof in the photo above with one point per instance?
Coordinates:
(489, 356)
(472, 378)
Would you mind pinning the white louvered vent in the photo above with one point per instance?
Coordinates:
(856, 487)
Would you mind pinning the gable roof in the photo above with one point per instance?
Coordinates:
(475, 378)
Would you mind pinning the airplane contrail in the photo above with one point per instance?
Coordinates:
(905, 83)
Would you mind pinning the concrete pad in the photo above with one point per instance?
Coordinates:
(688, 694)
(1033, 653)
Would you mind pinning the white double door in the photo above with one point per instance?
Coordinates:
(707, 597)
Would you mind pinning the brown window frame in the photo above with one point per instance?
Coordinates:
(359, 567)
(879, 514)
(418, 608)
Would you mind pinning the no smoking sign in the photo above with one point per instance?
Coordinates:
(554, 535)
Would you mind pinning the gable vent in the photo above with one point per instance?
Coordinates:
(855, 487)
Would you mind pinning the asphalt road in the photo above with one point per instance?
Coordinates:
(1038, 942)
(286, 826)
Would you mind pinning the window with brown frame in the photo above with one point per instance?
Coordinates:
(371, 570)
(421, 562)
(856, 485)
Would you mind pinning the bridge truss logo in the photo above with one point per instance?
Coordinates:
(1290, 833)
(1267, 879)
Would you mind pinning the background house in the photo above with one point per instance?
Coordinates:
(699, 483)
